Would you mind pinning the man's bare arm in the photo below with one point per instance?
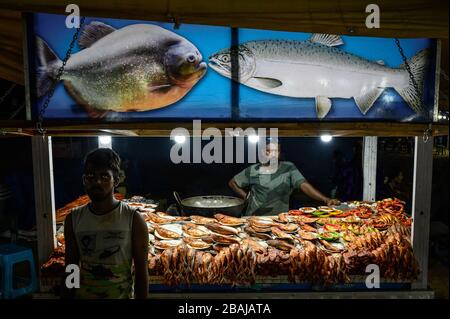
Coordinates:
(239, 191)
(310, 191)
(72, 255)
(140, 256)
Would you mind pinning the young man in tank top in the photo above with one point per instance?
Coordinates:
(106, 238)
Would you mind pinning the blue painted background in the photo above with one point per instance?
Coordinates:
(211, 96)
(389, 106)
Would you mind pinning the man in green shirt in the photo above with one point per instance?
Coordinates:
(271, 186)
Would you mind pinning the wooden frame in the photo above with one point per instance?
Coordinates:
(43, 172)
(161, 129)
(421, 206)
(44, 196)
(26, 65)
(437, 78)
(43, 169)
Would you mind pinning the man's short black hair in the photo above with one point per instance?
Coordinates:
(104, 158)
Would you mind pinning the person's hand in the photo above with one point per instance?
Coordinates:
(333, 202)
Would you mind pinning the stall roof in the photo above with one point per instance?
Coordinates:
(401, 18)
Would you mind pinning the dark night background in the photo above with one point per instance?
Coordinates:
(149, 171)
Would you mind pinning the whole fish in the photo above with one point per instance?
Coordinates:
(315, 68)
(139, 67)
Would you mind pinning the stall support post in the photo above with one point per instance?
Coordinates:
(422, 184)
(44, 196)
(370, 167)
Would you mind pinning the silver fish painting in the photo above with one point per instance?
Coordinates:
(139, 67)
(317, 69)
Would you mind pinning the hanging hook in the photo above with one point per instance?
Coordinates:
(51, 90)
(175, 21)
(427, 134)
(425, 137)
(176, 25)
(40, 128)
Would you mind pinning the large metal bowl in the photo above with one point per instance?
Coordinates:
(209, 205)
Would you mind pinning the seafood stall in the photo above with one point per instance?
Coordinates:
(102, 81)
(301, 250)
(294, 247)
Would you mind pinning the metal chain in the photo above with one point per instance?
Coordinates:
(408, 68)
(13, 115)
(51, 91)
(428, 132)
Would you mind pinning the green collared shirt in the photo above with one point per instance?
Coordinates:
(269, 192)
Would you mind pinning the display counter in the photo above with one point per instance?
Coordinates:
(309, 249)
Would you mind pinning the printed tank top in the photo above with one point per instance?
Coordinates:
(104, 243)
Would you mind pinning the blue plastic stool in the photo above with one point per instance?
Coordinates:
(9, 256)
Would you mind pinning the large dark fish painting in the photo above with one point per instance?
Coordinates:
(139, 67)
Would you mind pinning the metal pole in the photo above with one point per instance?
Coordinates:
(44, 195)
(437, 78)
(370, 167)
(422, 184)
(234, 74)
(26, 21)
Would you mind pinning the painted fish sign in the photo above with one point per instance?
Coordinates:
(317, 69)
(137, 68)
